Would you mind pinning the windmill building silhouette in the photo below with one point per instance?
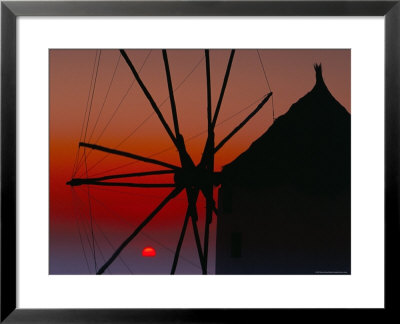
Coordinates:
(285, 203)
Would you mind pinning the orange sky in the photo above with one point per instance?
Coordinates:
(290, 74)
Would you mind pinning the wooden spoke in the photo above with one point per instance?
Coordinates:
(181, 237)
(192, 195)
(128, 155)
(248, 118)
(209, 204)
(77, 181)
(148, 95)
(208, 76)
(221, 96)
(171, 93)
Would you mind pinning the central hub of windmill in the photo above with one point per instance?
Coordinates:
(194, 177)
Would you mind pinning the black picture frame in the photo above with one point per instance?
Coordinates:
(10, 10)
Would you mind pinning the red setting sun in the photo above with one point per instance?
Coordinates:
(149, 252)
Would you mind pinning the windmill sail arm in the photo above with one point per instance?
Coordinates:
(124, 175)
(180, 241)
(208, 77)
(128, 155)
(148, 95)
(221, 96)
(171, 92)
(78, 182)
(192, 195)
(179, 143)
(244, 122)
(209, 146)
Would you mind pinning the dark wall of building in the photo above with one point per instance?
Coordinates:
(283, 231)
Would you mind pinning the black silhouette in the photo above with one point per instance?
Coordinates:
(285, 202)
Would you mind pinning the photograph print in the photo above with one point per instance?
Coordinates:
(200, 161)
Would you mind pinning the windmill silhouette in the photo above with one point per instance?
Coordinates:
(189, 177)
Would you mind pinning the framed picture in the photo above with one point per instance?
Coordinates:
(297, 210)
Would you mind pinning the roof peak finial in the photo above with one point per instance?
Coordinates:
(318, 72)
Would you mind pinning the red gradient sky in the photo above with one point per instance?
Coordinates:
(127, 117)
